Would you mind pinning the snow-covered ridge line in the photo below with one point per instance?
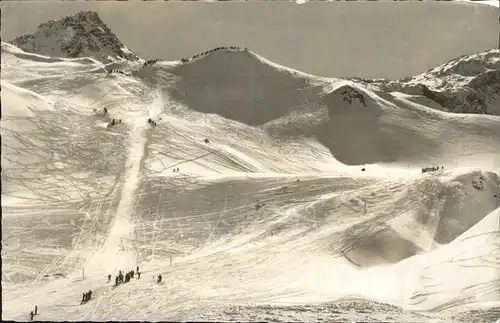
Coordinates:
(467, 84)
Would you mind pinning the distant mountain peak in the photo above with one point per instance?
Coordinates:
(467, 84)
(83, 34)
(469, 65)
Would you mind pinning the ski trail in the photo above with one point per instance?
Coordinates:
(119, 238)
(117, 252)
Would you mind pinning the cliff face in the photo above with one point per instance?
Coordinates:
(80, 35)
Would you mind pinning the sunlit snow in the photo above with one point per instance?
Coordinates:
(306, 202)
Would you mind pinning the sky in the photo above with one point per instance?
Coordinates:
(337, 39)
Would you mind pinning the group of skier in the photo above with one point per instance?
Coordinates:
(33, 313)
(86, 296)
(117, 71)
(114, 122)
(227, 48)
(152, 122)
(121, 279)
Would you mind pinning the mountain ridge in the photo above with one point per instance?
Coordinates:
(241, 181)
(466, 84)
(79, 35)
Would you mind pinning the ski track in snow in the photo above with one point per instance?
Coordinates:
(259, 224)
(117, 252)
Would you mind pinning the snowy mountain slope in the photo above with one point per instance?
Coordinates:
(309, 191)
(472, 256)
(330, 111)
(468, 84)
(79, 35)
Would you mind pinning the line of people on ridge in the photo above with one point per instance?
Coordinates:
(227, 48)
(150, 62)
(114, 71)
(431, 169)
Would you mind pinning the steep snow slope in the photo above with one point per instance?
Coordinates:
(476, 254)
(357, 125)
(79, 35)
(238, 86)
(265, 221)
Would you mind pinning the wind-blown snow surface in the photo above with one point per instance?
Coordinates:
(273, 219)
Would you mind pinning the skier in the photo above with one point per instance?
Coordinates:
(138, 275)
(31, 316)
(90, 294)
(109, 278)
(137, 269)
(84, 298)
(116, 281)
(159, 278)
(36, 310)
